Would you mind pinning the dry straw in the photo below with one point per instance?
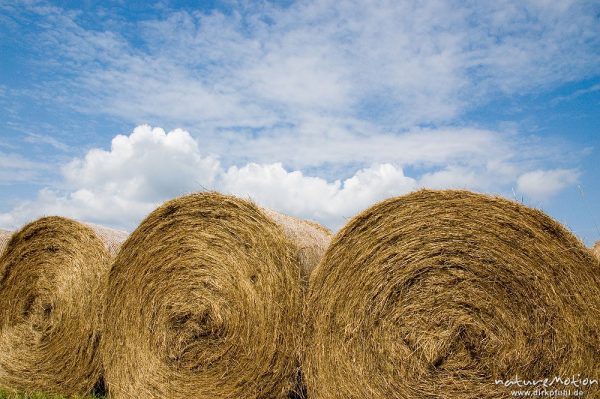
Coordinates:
(4, 238)
(596, 249)
(439, 293)
(112, 239)
(52, 280)
(310, 238)
(204, 301)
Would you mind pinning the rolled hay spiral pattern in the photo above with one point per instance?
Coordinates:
(52, 280)
(438, 294)
(204, 301)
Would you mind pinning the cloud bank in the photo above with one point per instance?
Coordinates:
(119, 186)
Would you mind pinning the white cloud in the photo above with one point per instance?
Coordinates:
(320, 141)
(148, 165)
(300, 81)
(46, 140)
(451, 177)
(16, 168)
(312, 197)
(106, 208)
(396, 64)
(118, 187)
(542, 184)
(317, 109)
(314, 85)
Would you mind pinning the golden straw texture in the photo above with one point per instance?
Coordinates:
(310, 238)
(52, 279)
(438, 294)
(204, 301)
(112, 239)
(4, 238)
(596, 249)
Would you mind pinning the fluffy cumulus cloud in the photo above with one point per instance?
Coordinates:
(119, 186)
(147, 165)
(313, 197)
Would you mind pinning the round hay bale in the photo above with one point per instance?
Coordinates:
(449, 294)
(112, 239)
(310, 238)
(596, 249)
(204, 301)
(4, 238)
(52, 280)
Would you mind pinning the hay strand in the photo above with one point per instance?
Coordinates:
(52, 280)
(204, 301)
(439, 293)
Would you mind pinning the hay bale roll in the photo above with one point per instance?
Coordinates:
(310, 238)
(4, 238)
(112, 238)
(596, 249)
(204, 301)
(438, 294)
(52, 281)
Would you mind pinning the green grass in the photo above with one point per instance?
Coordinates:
(11, 395)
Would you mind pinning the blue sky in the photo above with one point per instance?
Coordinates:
(313, 108)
